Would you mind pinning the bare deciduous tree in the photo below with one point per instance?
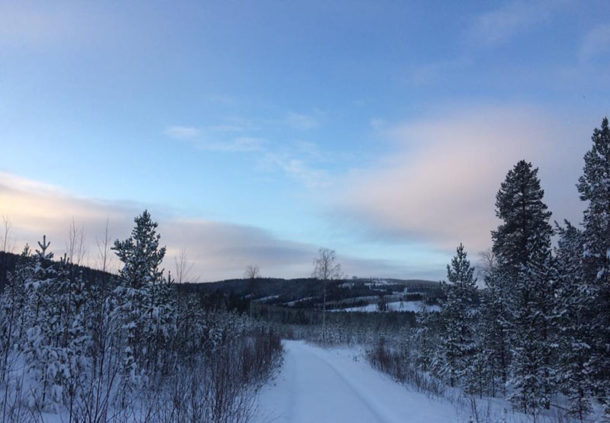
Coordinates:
(6, 247)
(486, 263)
(103, 249)
(184, 268)
(75, 246)
(6, 230)
(252, 272)
(326, 268)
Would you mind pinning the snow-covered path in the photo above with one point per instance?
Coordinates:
(318, 385)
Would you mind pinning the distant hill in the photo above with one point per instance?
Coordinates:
(307, 292)
(8, 261)
(302, 293)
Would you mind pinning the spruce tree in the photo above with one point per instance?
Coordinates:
(492, 336)
(571, 309)
(522, 245)
(594, 189)
(459, 313)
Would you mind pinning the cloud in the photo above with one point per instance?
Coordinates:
(294, 158)
(218, 250)
(43, 25)
(297, 168)
(236, 145)
(182, 132)
(20, 25)
(301, 121)
(244, 144)
(499, 25)
(596, 44)
(438, 186)
(215, 138)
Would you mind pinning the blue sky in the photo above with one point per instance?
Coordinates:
(269, 129)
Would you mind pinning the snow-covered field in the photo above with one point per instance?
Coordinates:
(393, 306)
(338, 385)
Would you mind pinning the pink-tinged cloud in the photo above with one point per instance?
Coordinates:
(216, 250)
(439, 184)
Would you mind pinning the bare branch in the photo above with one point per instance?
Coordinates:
(252, 272)
(75, 246)
(184, 268)
(6, 230)
(103, 249)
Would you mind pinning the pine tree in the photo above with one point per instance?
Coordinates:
(522, 245)
(594, 188)
(13, 310)
(493, 325)
(140, 254)
(491, 352)
(142, 299)
(43, 354)
(459, 314)
(70, 334)
(571, 310)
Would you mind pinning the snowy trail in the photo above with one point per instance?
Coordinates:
(337, 385)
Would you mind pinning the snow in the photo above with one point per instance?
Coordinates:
(377, 282)
(393, 306)
(338, 385)
(267, 298)
(300, 300)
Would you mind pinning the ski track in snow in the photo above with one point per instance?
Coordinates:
(318, 385)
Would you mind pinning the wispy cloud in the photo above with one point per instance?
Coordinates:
(301, 121)
(297, 168)
(182, 132)
(236, 145)
(513, 17)
(596, 44)
(296, 158)
(219, 138)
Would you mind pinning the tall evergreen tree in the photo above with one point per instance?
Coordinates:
(142, 298)
(459, 313)
(594, 188)
(43, 355)
(13, 311)
(493, 353)
(522, 245)
(141, 254)
(571, 309)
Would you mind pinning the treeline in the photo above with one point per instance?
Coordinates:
(8, 262)
(128, 350)
(540, 329)
(305, 293)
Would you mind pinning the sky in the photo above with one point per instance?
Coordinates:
(257, 132)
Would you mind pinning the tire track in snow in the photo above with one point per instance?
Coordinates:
(319, 385)
(379, 418)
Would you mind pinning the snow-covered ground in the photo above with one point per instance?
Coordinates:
(393, 306)
(338, 385)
